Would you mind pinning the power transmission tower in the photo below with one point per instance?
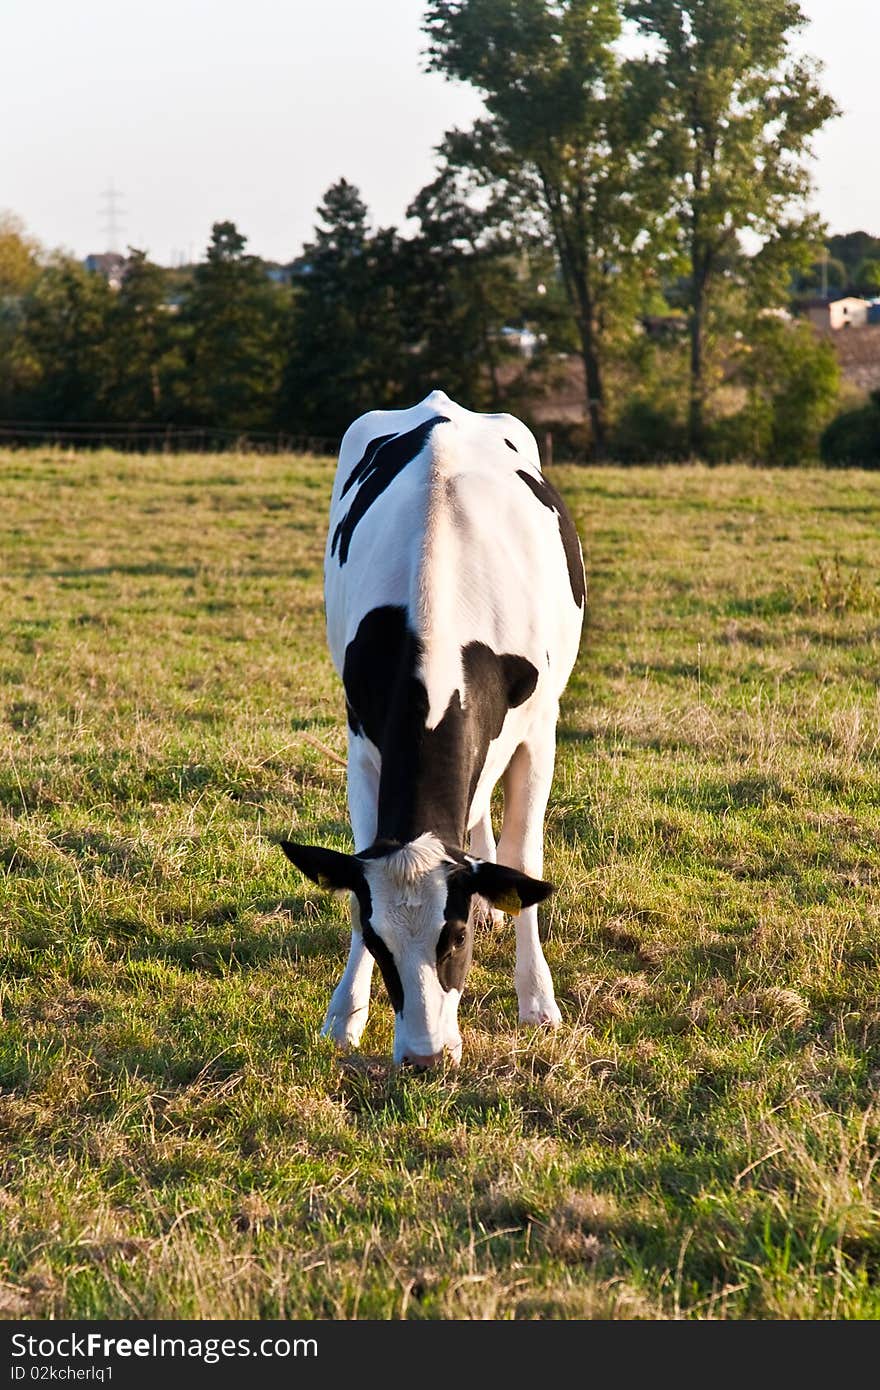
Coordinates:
(111, 225)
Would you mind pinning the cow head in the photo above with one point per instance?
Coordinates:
(414, 905)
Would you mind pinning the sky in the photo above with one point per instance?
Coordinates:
(205, 110)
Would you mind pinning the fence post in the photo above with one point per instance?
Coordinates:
(548, 449)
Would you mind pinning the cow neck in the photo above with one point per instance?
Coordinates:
(428, 776)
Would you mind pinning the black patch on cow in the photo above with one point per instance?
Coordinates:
(455, 947)
(383, 459)
(520, 678)
(510, 444)
(428, 776)
(547, 494)
(385, 961)
(326, 867)
(333, 870)
(363, 464)
(508, 888)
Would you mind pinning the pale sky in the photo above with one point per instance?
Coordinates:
(202, 110)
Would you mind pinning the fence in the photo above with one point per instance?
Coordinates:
(131, 437)
(172, 439)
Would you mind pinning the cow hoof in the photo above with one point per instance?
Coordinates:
(541, 1014)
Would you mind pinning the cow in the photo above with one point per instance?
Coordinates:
(455, 594)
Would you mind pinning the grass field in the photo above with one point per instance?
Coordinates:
(698, 1139)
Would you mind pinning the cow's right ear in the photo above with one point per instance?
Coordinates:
(326, 867)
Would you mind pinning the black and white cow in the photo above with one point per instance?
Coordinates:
(454, 590)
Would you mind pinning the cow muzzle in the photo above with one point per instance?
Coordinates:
(425, 1061)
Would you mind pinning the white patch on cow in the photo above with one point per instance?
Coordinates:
(408, 890)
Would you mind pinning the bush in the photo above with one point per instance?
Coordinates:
(853, 437)
(792, 380)
(647, 433)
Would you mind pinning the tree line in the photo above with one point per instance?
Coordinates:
(635, 192)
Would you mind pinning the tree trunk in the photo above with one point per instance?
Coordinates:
(595, 394)
(574, 264)
(696, 407)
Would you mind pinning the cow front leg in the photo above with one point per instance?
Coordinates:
(527, 784)
(349, 1005)
(483, 847)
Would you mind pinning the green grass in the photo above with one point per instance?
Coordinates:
(699, 1139)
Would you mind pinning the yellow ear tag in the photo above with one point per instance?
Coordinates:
(509, 903)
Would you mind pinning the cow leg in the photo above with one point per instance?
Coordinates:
(349, 1004)
(483, 847)
(521, 846)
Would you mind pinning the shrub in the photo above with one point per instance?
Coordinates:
(647, 433)
(853, 437)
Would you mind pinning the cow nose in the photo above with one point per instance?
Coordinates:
(422, 1063)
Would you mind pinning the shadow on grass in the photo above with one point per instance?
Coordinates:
(753, 789)
(117, 858)
(151, 568)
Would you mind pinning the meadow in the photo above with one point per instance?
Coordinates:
(699, 1138)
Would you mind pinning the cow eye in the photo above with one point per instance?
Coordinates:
(459, 936)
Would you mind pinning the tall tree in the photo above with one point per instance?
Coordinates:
(851, 249)
(141, 339)
(232, 320)
(346, 334)
(19, 257)
(739, 110)
(567, 141)
(66, 319)
(462, 287)
(19, 272)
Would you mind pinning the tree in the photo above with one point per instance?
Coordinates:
(867, 277)
(853, 437)
(141, 342)
(792, 378)
(346, 338)
(824, 275)
(232, 323)
(851, 249)
(462, 286)
(566, 146)
(19, 271)
(19, 257)
(66, 326)
(738, 113)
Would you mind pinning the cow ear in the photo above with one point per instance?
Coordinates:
(508, 888)
(326, 867)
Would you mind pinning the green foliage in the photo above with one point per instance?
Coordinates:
(231, 322)
(19, 271)
(463, 284)
(567, 149)
(792, 379)
(645, 431)
(66, 324)
(144, 356)
(852, 249)
(344, 333)
(739, 111)
(853, 437)
(19, 257)
(867, 276)
(827, 272)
